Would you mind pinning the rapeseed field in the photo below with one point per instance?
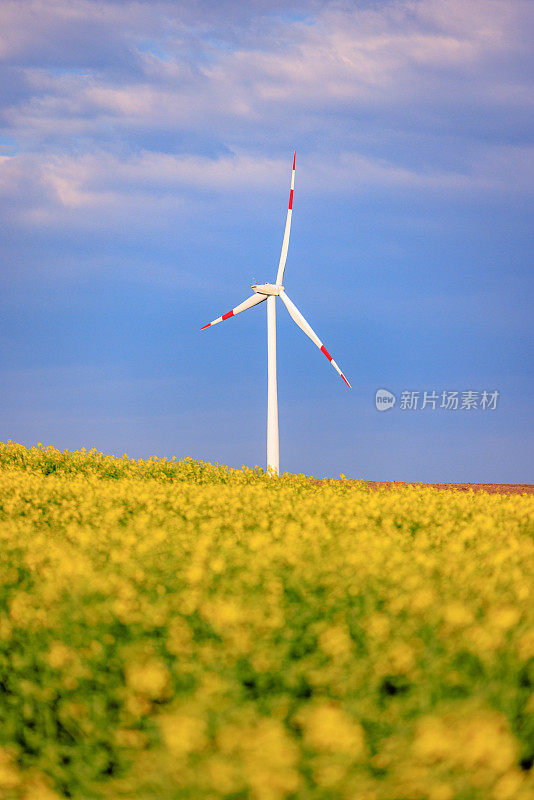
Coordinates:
(176, 630)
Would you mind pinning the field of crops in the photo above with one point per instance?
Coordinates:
(174, 630)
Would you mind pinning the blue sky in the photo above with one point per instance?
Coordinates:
(145, 156)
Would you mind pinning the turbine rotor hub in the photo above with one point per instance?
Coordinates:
(267, 288)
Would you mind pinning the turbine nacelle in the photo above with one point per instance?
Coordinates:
(267, 289)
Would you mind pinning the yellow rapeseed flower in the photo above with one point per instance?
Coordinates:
(171, 628)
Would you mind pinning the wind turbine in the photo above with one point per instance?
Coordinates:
(269, 292)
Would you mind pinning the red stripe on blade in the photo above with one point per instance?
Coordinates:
(227, 316)
(294, 156)
(346, 381)
(205, 326)
(325, 351)
(291, 199)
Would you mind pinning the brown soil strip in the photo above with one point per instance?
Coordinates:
(491, 488)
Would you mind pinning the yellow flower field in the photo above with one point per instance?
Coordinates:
(176, 630)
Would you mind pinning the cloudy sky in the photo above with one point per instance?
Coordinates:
(145, 155)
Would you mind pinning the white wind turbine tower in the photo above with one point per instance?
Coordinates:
(269, 292)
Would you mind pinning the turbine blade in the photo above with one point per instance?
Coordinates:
(285, 243)
(252, 301)
(303, 325)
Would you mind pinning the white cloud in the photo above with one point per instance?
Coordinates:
(348, 59)
(98, 190)
(415, 94)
